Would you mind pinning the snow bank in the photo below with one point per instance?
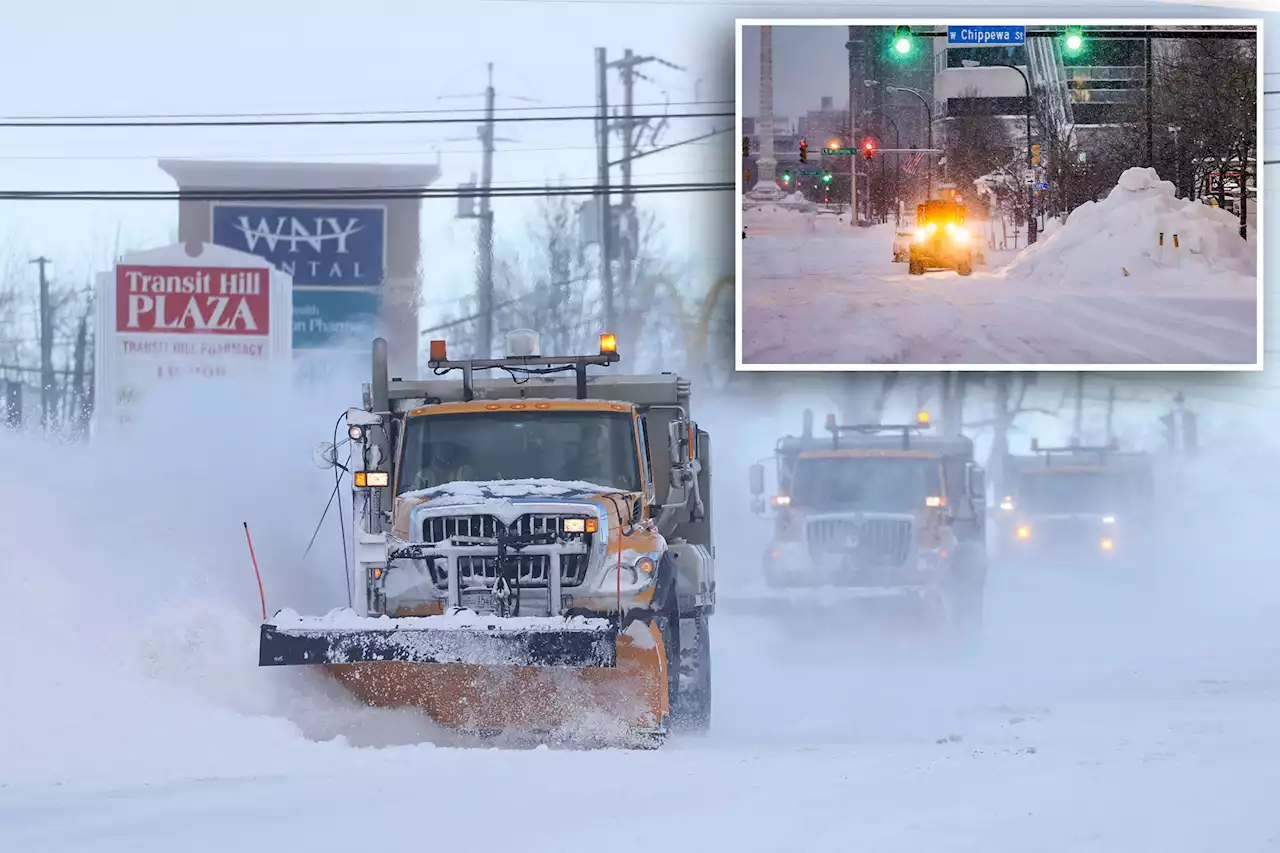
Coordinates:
(1102, 240)
(132, 610)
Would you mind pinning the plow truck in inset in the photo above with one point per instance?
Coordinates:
(532, 553)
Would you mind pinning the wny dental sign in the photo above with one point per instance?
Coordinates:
(185, 313)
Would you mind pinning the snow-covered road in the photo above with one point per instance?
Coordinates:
(813, 751)
(834, 296)
(1097, 716)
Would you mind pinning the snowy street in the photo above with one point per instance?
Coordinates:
(1096, 716)
(1096, 290)
(1147, 751)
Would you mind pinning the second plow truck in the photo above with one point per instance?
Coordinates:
(876, 516)
(533, 554)
(1077, 506)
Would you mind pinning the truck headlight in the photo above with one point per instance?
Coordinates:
(1107, 545)
(960, 235)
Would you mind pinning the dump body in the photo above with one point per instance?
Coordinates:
(941, 239)
(526, 552)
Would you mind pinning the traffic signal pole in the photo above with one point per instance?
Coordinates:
(854, 46)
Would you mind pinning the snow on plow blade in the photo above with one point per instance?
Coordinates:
(292, 640)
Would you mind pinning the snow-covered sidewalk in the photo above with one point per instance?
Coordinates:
(1097, 290)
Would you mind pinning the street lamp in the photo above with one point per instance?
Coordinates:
(928, 111)
(1030, 168)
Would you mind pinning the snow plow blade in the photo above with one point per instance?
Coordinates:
(526, 642)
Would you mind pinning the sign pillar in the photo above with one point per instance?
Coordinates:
(355, 264)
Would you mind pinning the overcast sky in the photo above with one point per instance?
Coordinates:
(76, 57)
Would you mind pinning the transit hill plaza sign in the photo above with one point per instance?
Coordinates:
(186, 312)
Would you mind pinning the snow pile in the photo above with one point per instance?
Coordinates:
(133, 610)
(1116, 241)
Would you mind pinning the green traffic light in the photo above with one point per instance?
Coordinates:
(826, 178)
(1075, 39)
(902, 40)
(786, 177)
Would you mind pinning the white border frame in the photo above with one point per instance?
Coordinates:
(937, 21)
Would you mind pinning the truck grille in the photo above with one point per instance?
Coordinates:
(442, 528)
(481, 570)
(872, 543)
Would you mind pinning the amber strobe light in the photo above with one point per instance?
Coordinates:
(371, 479)
(608, 343)
(438, 351)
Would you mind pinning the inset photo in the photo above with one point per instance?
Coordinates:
(999, 195)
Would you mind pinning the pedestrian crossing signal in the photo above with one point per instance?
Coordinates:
(746, 146)
(804, 151)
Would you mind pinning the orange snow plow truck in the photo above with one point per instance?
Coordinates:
(532, 553)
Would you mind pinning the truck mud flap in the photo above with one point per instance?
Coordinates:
(571, 646)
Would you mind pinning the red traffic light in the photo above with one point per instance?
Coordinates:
(868, 149)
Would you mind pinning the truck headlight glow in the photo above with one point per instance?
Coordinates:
(575, 525)
(1107, 545)
(1024, 532)
(1110, 519)
(921, 235)
(960, 235)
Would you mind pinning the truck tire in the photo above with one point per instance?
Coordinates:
(915, 267)
(965, 267)
(691, 706)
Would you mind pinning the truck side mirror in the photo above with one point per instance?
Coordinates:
(678, 439)
(757, 506)
(757, 481)
(976, 481)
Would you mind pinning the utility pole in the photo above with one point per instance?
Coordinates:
(1077, 427)
(604, 197)
(467, 210)
(631, 131)
(486, 224)
(854, 46)
(79, 408)
(1111, 411)
(1150, 108)
(46, 346)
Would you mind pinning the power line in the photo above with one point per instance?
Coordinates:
(372, 194)
(419, 152)
(340, 122)
(333, 113)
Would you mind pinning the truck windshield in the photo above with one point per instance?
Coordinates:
(870, 484)
(1085, 492)
(591, 447)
